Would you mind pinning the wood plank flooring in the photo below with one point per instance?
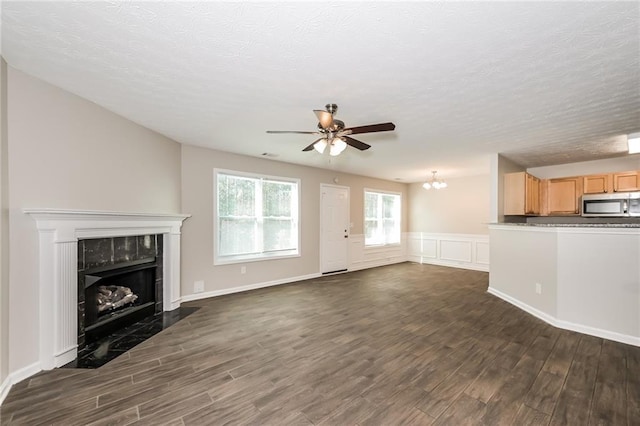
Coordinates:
(401, 344)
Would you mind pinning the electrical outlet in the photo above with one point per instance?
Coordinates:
(198, 286)
(538, 288)
(243, 269)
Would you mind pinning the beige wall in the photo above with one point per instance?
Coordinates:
(197, 231)
(66, 152)
(461, 208)
(4, 228)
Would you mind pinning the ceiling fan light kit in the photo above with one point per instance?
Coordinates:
(434, 182)
(337, 146)
(320, 145)
(333, 133)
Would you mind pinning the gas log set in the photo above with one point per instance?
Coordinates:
(110, 297)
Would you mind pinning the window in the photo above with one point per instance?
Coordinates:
(381, 218)
(256, 217)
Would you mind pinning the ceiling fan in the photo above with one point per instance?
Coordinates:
(335, 135)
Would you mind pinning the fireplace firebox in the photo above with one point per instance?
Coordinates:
(117, 296)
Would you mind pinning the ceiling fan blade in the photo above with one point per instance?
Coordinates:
(382, 127)
(310, 147)
(324, 117)
(293, 131)
(356, 143)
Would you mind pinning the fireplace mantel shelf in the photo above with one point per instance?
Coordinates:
(59, 231)
(95, 214)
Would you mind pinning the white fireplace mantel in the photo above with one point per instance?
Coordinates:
(59, 232)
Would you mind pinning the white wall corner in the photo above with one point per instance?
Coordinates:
(5, 387)
(566, 325)
(493, 189)
(17, 377)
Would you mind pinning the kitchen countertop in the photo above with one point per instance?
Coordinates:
(573, 225)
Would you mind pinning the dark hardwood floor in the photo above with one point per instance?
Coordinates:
(402, 344)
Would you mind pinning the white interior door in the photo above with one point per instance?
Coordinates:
(334, 228)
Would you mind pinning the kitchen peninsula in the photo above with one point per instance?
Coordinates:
(576, 276)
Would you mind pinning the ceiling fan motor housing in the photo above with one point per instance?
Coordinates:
(331, 108)
(335, 127)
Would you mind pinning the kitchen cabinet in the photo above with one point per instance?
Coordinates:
(597, 184)
(525, 194)
(563, 196)
(532, 193)
(626, 181)
(611, 182)
(521, 194)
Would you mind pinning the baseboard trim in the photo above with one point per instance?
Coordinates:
(527, 308)
(16, 377)
(5, 387)
(566, 325)
(453, 264)
(240, 289)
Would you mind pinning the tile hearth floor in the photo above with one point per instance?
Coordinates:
(100, 352)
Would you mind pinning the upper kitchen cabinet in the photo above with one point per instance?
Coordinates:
(611, 182)
(521, 194)
(563, 196)
(626, 181)
(597, 184)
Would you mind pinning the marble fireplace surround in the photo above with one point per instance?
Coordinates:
(59, 232)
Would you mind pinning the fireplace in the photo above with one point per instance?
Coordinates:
(119, 283)
(62, 234)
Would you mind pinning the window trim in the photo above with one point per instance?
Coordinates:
(253, 257)
(364, 219)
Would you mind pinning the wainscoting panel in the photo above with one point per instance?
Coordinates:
(429, 248)
(456, 251)
(482, 253)
(467, 251)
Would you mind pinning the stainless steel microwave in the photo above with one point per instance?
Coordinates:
(620, 204)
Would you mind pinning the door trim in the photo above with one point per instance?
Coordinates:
(320, 229)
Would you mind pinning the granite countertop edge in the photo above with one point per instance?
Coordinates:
(573, 225)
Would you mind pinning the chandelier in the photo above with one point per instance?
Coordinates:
(435, 182)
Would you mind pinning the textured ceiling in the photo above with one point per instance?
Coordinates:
(543, 82)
